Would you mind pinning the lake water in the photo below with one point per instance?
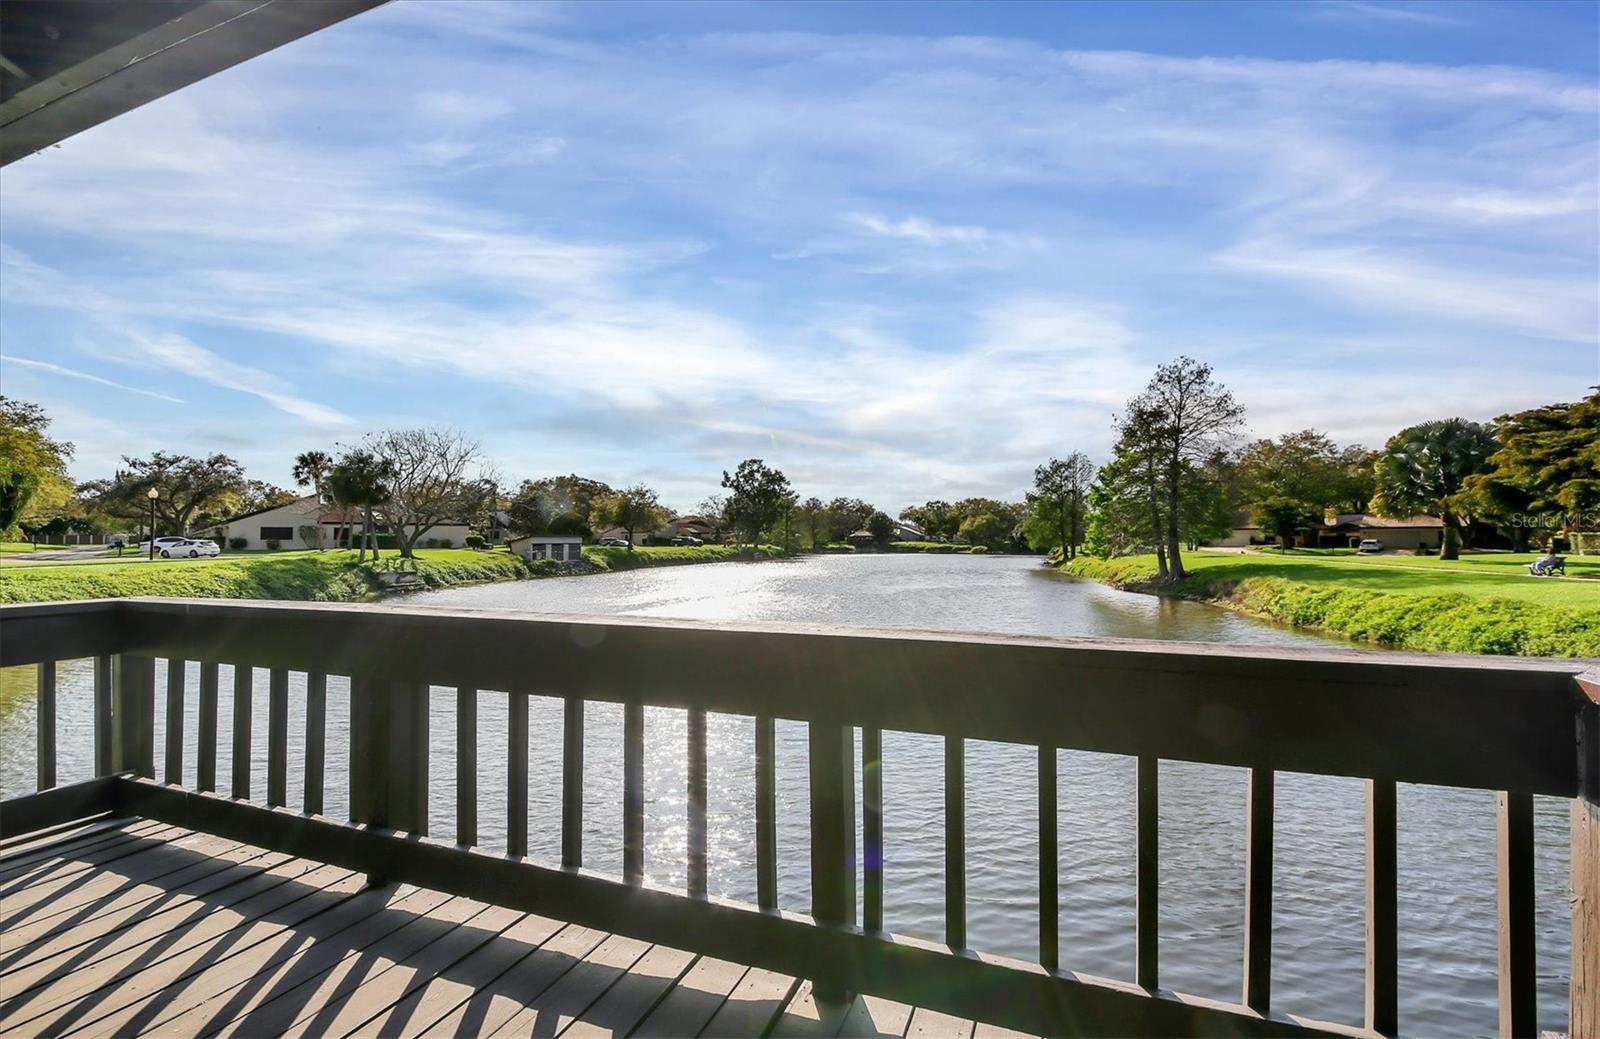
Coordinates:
(1447, 837)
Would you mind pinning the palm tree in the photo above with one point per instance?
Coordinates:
(311, 470)
(361, 480)
(1422, 468)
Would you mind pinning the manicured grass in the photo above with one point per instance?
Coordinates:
(1410, 602)
(931, 546)
(332, 576)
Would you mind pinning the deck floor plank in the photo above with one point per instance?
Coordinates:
(694, 1001)
(476, 972)
(565, 1001)
(237, 988)
(493, 1006)
(78, 944)
(444, 937)
(634, 995)
(752, 1006)
(126, 928)
(26, 858)
(873, 1017)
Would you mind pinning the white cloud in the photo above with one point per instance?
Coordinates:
(73, 373)
(179, 356)
(916, 229)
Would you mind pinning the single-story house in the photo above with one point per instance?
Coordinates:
(862, 538)
(284, 524)
(568, 547)
(1349, 529)
(904, 530)
(1245, 532)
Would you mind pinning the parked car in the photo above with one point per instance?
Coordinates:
(193, 548)
(161, 544)
(687, 539)
(612, 543)
(1370, 545)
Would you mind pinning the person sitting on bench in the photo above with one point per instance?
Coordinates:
(1548, 564)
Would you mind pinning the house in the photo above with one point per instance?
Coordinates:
(1349, 529)
(862, 538)
(1245, 532)
(904, 530)
(566, 547)
(286, 525)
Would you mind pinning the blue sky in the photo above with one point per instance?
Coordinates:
(900, 250)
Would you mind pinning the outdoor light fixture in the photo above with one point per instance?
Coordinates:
(152, 494)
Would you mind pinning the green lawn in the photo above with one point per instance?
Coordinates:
(1477, 604)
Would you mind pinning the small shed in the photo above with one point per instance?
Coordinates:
(568, 547)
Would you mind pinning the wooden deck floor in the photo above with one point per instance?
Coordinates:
(134, 927)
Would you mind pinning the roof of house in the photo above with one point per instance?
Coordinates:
(1367, 519)
(564, 538)
(262, 512)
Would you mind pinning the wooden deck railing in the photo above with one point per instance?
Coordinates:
(1522, 728)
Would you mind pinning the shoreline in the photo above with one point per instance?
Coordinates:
(1442, 623)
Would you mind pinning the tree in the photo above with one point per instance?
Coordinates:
(29, 460)
(881, 527)
(1423, 467)
(1285, 517)
(432, 478)
(1126, 502)
(712, 510)
(360, 480)
(634, 508)
(1546, 474)
(555, 505)
(190, 491)
(938, 519)
(985, 528)
(311, 470)
(1190, 414)
(815, 513)
(757, 498)
(259, 495)
(1057, 506)
(845, 516)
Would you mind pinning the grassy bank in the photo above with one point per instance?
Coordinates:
(1478, 604)
(936, 547)
(307, 576)
(609, 558)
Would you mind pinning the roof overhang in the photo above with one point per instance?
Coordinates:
(67, 65)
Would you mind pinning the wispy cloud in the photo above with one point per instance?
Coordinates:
(916, 229)
(73, 373)
(1387, 12)
(182, 357)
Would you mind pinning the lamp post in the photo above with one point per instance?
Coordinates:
(152, 494)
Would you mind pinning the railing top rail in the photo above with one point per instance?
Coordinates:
(1493, 723)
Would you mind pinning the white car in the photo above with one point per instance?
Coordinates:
(193, 548)
(162, 544)
(1370, 545)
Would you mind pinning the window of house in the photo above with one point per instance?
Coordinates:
(277, 533)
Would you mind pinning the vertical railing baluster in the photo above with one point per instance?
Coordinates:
(766, 814)
(277, 737)
(1583, 867)
(407, 770)
(46, 727)
(697, 802)
(955, 842)
(467, 766)
(1383, 969)
(1258, 843)
(833, 832)
(1049, 863)
(633, 792)
(133, 708)
(360, 733)
(243, 719)
(517, 774)
(1514, 853)
(103, 722)
(176, 679)
(1147, 905)
(872, 829)
(572, 783)
(316, 740)
(205, 750)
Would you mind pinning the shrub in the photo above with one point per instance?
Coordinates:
(446, 543)
(474, 540)
(272, 544)
(238, 544)
(430, 542)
